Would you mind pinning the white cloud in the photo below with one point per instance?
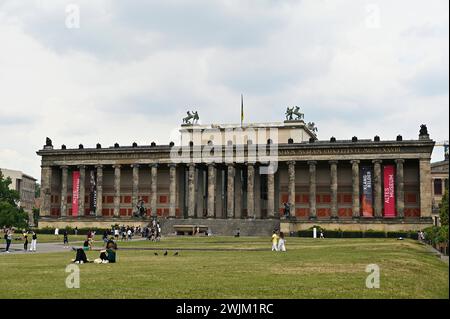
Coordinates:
(132, 69)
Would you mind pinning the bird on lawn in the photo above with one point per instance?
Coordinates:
(176, 253)
(156, 254)
(165, 253)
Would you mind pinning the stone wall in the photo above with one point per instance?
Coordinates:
(288, 226)
(226, 227)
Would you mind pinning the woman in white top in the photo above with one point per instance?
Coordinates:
(281, 242)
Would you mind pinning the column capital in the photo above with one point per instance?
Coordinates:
(249, 164)
(172, 165)
(98, 166)
(134, 165)
(355, 161)
(211, 164)
(81, 166)
(377, 161)
(116, 165)
(64, 166)
(191, 165)
(230, 164)
(290, 162)
(153, 165)
(399, 161)
(333, 161)
(312, 162)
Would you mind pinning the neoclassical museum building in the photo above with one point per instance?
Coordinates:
(242, 176)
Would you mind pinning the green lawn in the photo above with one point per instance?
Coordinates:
(329, 268)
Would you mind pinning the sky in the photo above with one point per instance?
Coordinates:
(127, 71)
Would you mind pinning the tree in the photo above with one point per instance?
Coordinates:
(8, 195)
(11, 215)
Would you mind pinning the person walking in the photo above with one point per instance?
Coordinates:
(8, 237)
(25, 244)
(76, 230)
(275, 241)
(33, 242)
(281, 242)
(57, 232)
(66, 239)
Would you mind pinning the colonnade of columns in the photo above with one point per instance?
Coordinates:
(233, 195)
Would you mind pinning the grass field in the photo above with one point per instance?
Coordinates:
(329, 268)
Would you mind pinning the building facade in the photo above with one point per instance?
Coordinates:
(243, 176)
(26, 186)
(439, 176)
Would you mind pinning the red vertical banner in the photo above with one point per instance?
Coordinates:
(75, 192)
(389, 191)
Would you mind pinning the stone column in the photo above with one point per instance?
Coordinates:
(291, 186)
(312, 190)
(230, 191)
(355, 185)
(135, 194)
(334, 189)
(98, 211)
(425, 187)
(219, 174)
(238, 193)
(63, 191)
(378, 205)
(200, 183)
(257, 194)
(172, 190)
(400, 193)
(46, 192)
(81, 198)
(250, 190)
(154, 189)
(116, 190)
(271, 195)
(211, 190)
(191, 191)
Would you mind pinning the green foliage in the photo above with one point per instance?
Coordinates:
(7, 195)
(36, 214)
(436, 235)
(443, 210)
(10, 214)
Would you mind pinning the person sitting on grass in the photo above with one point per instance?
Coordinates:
(87, 245)
(106, 256)
(111, 244)
(80, 257)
